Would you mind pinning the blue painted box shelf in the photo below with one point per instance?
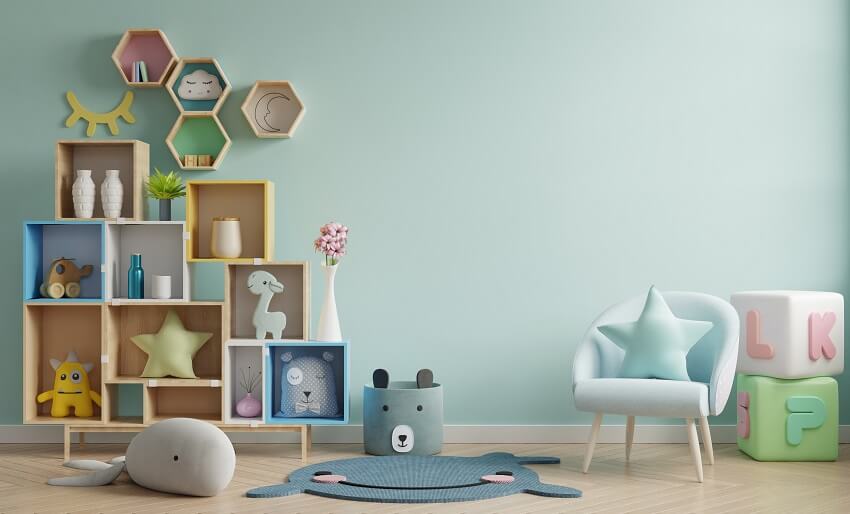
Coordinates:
(340, 365)
(78, 240)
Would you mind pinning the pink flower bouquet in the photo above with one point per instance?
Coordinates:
(331, 242)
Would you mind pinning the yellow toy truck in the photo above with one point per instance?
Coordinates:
(63, 279)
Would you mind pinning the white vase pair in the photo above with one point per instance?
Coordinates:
(84, 194)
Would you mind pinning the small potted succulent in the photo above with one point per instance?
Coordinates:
(165, 188)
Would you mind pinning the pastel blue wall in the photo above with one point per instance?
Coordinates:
(507, 169)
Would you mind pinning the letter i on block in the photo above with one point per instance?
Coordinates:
(790, 334)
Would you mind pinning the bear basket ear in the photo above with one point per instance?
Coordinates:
(380, 378)
(328, 356)
(286, 356)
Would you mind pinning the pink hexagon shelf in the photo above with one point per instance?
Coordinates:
(147, 45)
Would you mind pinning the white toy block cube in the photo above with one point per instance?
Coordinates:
(790, 334)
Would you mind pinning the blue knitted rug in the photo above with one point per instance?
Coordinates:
(419, 479)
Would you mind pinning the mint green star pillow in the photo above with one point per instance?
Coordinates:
(657, 344)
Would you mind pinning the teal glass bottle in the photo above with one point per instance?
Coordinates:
(136, 278)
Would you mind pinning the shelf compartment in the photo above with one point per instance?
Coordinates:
(187, 66)
(340, 365)
(273, 109)
(123, 403)
(125, 361)
(130, 157)
(163, 250)
(236, 360)
(51, 331)
(252, 201)
(294, 301)
(162, 403)
(150, 46)
(78, 240)
(198, 134)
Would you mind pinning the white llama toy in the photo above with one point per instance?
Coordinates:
(265, 285)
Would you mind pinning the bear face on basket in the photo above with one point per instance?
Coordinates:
(308, 386)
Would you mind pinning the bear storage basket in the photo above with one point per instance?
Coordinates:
(403, 419)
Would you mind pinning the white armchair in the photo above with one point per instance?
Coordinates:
(711, 366)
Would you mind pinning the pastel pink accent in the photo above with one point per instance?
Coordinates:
(744, 415)
(820, 344)
(148, 48)
(498, 479)
(329, 479)
(755, 347)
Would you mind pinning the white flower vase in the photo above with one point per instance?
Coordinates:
(112, 194)
(83, 192)
(328, 319)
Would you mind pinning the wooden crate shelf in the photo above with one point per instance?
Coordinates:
(79, 240)
(186, 66)
(125, 361)
(130, 157)
(163, 250)
(252, 201)
(273, 109)
(237, 358)
(123, 403)
(198, 134)
(150, 46)
(294, 301)
(182, 402)
(51, 331)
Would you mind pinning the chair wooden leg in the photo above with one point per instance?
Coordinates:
(706, 439)
(591, 444)
(630, 435)
(693, 441)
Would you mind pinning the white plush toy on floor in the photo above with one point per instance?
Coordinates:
(180, 456)
(265, 285)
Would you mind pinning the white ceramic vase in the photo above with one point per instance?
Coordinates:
(161, 287)
(112, 194)
(328, 319)
(83, 192)
(226, 241)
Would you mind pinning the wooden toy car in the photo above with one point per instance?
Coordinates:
(63, 279)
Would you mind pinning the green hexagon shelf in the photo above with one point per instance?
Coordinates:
(187, 66)
(195, 134)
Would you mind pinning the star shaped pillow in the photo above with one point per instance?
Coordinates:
(657, 344)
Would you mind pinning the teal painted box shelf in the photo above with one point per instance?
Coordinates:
(306, 382)
(79, 240)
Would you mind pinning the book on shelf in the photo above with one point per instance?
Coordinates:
(143, 69)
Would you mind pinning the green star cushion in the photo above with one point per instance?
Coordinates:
(657, 344)
(171, 350)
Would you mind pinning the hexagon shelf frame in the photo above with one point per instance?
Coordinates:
(150, 46)
(198, 134)
(188, 65)
(273, 109)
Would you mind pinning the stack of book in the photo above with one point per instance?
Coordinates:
(140, 72)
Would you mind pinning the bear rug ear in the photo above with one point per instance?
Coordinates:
(380, 378)
(553, 491)
(425, 378)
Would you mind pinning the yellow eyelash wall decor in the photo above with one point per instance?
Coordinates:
(94, 118)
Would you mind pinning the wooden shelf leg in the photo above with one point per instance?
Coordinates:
(67, 443)
(309, 439)
(304, 437)
(82, 439)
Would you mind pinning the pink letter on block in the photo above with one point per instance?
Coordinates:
(743, 415)
(820, 325)
(755, 348)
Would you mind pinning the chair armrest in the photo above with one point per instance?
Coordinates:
(723, 375)
(586, 363)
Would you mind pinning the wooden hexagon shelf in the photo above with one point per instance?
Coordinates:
(147, 45)
(273, 109)
(195, 135)
(187, 66)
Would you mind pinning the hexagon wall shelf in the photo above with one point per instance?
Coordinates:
(150, 46)
(184, 67)
(198, 134)
(273, 109)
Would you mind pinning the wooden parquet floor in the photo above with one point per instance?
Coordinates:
(659, 479)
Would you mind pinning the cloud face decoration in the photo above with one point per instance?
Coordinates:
(199, 85)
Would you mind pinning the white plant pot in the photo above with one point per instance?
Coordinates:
(328, 319)
(112, 194)
(161, 287)
(83, 192)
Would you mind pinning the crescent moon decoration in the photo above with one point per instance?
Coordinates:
(263, 110)
(110, 119)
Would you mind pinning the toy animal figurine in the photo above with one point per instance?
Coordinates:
(265, 285)
(63, 279)
(308, 387)
(71, 389)
(178, 455)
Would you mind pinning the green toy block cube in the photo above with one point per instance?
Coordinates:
(788, 420)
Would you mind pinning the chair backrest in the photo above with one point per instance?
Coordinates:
(712, 360)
